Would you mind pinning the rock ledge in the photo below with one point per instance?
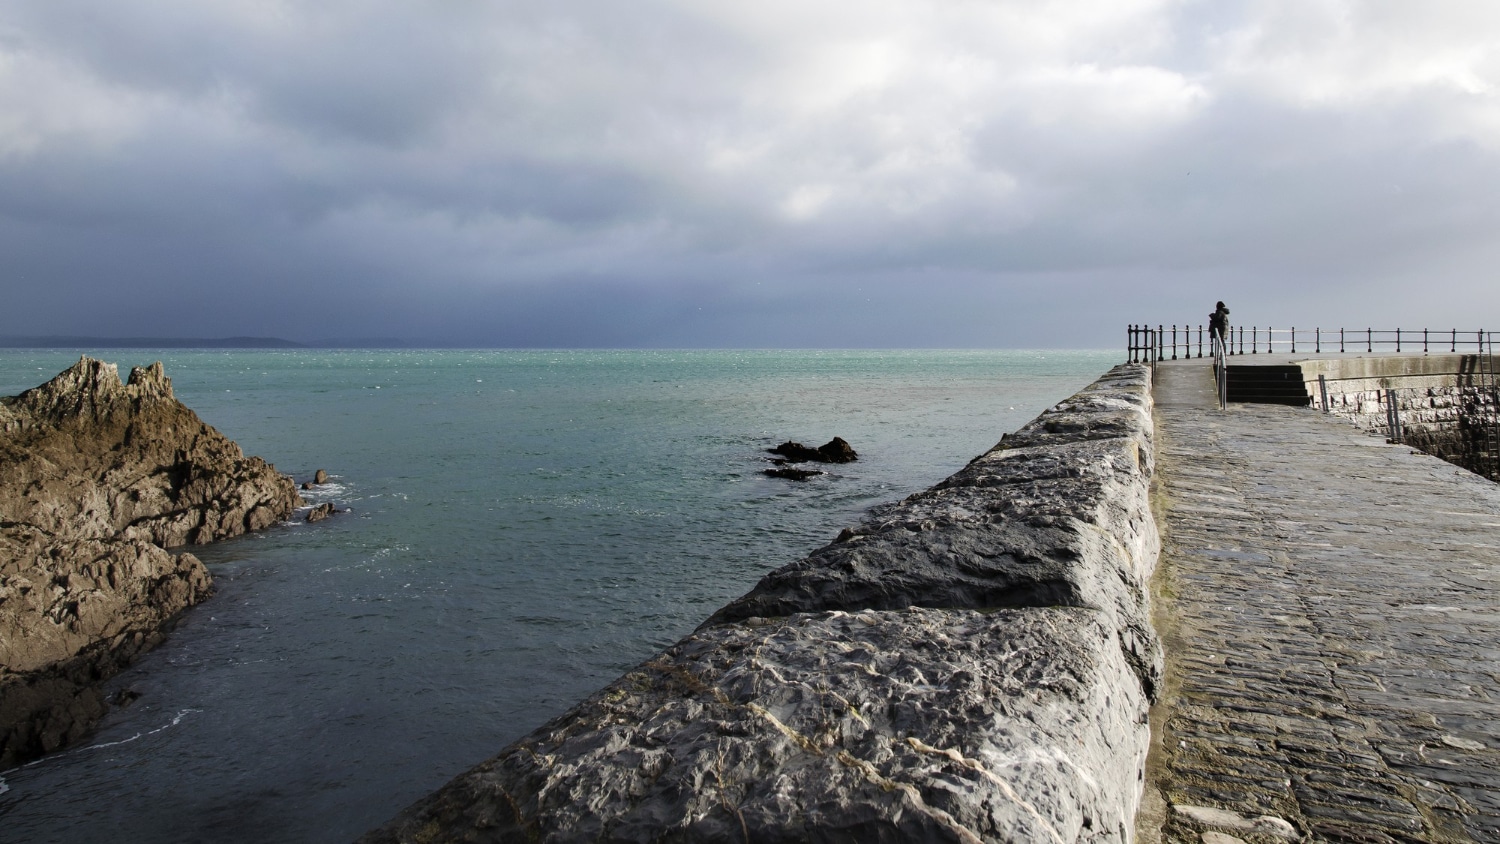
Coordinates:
(97, 478)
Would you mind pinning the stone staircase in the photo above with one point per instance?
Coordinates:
(1268, 385)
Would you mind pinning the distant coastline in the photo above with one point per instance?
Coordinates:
(79, 342)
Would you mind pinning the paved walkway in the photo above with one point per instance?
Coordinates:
(1330, 611)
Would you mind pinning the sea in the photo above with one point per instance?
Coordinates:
(520, 528)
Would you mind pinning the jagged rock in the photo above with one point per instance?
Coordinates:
(974, 663)
(321, 512)
(96, 479)
(320, 477)
(793, 474)
(835, 450)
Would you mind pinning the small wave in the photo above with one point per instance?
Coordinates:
(176, 719)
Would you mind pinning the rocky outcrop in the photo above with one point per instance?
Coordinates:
(835, 450)
(96, 479)
(973, 663)
(321, 512)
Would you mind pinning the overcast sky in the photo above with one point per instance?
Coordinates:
(846, 173)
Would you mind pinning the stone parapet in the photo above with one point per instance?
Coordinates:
(973, 663)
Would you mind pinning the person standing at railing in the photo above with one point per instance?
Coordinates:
(1218, 324)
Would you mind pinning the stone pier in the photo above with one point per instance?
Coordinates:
(1329, 606)
(975, 663)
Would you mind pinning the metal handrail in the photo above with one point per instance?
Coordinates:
(1221, 372)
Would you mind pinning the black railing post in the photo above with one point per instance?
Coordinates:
(1242, 338)
(1341, 341)
(1254, 339)
(1174, 341)
(1424, 341)
(1369, 340)
(1200, 340)
(1453, 344)
(1160, 333)
(1294, 339)
(1398, 339)
(1318, 340)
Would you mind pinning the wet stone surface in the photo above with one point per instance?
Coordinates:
(1334, 655)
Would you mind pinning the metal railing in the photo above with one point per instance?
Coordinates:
(1171, 342)
(1144, 345)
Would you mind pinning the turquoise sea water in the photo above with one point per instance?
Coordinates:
(523, 527)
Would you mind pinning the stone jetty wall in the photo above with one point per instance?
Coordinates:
(97, 478)
(973, 663)
(1443, 411)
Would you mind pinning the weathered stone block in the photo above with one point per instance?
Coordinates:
(922, 725)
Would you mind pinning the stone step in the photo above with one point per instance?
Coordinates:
(1268, 385)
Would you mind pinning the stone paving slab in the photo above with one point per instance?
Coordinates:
(1331, 607)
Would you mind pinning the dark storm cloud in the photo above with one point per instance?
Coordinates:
(705, 173)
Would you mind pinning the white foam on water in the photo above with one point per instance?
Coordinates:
(176, 719)
(53, 757)
(332, 489)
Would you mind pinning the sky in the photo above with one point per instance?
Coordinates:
(717, 173)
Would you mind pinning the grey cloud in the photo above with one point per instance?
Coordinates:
(673, 174)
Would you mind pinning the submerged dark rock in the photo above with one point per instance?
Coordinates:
(793, 474)
(97, 479)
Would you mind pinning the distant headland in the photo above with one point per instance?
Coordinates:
(82, 342)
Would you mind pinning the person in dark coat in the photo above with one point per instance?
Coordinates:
(1218, 322)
